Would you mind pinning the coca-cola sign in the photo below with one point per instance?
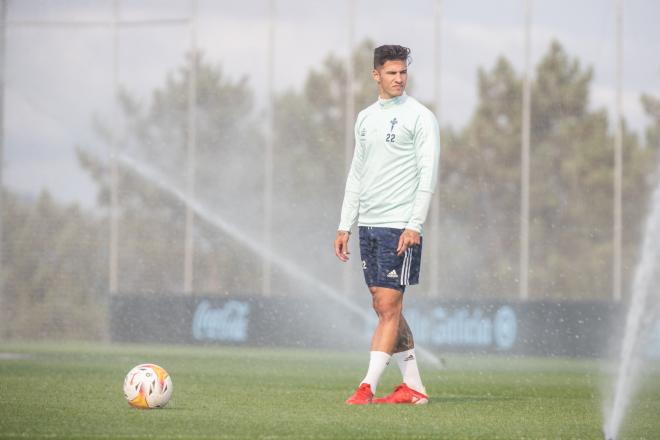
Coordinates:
(228, 322)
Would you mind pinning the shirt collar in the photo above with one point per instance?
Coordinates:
(387, 103)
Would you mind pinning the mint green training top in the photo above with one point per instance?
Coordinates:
(395, 164)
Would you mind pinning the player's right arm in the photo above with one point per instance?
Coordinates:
(341, 245)
(350, 205)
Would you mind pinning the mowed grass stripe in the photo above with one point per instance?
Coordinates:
(75, 391)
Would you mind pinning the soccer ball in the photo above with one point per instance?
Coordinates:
(147, 386)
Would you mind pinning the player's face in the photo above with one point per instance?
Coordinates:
(391, 78)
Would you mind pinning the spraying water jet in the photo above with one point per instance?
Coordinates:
(638, 321)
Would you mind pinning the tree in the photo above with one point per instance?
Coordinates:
(152, 221)
(573, 195)
(310, 162)
(571, 182)
(53, 262)
(479, 190)
(571, 185)
(651, 105)
(309, 167)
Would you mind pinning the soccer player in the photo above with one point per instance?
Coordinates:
(388, 191)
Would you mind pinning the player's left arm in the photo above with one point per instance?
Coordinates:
(427, 149)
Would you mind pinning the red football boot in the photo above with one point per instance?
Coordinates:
(404, 394)
(362, 395)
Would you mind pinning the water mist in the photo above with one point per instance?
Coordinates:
(641, 314)
(285, 265)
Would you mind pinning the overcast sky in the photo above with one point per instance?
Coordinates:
(58, 78)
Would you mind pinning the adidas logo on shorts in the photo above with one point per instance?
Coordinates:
(392, 274)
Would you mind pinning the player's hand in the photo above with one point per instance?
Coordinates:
(341, 245)
(408, 238)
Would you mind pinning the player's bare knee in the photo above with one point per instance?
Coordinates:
(386, 308)
(390, 315)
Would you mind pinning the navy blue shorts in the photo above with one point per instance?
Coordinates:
(381, 265)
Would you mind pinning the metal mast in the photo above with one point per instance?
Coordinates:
(189, 250)
(3, 28)
(266, 280)
(114, 172)
(618, 155)
(349, 112)
(437, 100)
(524, 171)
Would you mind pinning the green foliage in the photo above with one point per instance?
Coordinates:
(310, 124)
(479, 187)
(571, 185)
(53, 256)
(152, 222)
(311, 129)
(309, 170)
(310, 162)
(652, 106)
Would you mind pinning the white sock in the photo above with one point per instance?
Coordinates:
(378, 360)
(408, 365)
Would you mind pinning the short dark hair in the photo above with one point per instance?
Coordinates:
(390, 52)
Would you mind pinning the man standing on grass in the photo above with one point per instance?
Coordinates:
(388, 190)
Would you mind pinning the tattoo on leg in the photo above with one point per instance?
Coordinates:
(404, 338)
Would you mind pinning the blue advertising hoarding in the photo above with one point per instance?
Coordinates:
(506, 327)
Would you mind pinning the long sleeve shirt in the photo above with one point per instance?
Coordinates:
(395, 165)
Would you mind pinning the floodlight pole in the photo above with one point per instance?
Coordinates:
(349, 109)
(114, 171)
(191, 165)
(618, 156)
(266, 271)
(524, 171)
(437, 100)
(349, 112)
(3, 28)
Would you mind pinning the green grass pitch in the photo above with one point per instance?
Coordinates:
(73, 391)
